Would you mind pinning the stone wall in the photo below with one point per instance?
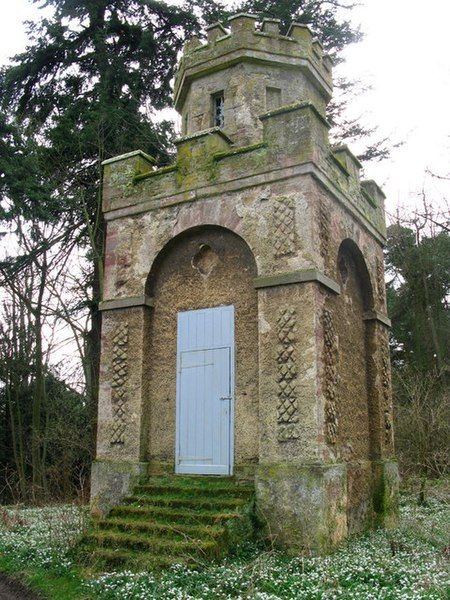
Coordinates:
(245, 88)
(353, 433)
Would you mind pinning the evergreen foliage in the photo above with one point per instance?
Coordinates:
(418, 298)
(84, 90)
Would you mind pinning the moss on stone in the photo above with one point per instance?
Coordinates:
(296, 106)
(379, 498)
(149, 174)
(385, 494)
(303, 505)
(195, 164)
(369, 198)
(339, 164)
(241, 150)
(180, 518)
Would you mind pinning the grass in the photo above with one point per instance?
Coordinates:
(48, 585)
(34, 546)
(408, 563)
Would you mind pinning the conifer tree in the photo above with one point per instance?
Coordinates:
(418, 299)
(85, 89)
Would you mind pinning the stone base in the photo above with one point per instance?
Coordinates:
(386, 480)
(303, 507)
(306, 508)
(244, 472)
(111, 481)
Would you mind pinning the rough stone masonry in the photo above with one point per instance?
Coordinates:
(260, 212)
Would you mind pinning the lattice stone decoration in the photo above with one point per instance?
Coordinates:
(287, 407)
(386, 386)
(330, 355)
(324, 230)
(284, 227)
(381, 286)
(120, 372)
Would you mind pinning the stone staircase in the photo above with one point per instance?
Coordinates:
(172, 519)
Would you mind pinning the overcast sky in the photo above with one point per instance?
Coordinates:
(405, 56)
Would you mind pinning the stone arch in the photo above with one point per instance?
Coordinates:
(350, 247)
(202, 267)
(356, 413)
(186, 229)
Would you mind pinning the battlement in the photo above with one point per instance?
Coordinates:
(244, 42)
(253, 105)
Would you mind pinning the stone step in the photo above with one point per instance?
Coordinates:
(199, 480)
(163, 513)
(176, 489)
(172, 519)
(113, 557)
(193, 503)
(173, 529)
(156, 545)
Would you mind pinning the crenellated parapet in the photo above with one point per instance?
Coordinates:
(293, 142)
(253, 105)
(255, 68)
(245, 41)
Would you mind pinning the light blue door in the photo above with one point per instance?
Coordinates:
(205, 387)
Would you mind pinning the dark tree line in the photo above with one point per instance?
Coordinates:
(45, 420)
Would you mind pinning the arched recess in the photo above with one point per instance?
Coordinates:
(202, 267)
(356, 413)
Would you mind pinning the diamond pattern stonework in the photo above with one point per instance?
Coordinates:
(284, 227)
(324, 231)
(331, 377)
(287, 407)
(120, 372)
(381, 286)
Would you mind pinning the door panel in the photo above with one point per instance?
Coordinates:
(204, 391)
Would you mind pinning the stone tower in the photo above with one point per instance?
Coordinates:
(244, 313)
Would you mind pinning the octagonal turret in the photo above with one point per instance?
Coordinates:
(241, 73)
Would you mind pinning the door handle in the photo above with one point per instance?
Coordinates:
(226, 398)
